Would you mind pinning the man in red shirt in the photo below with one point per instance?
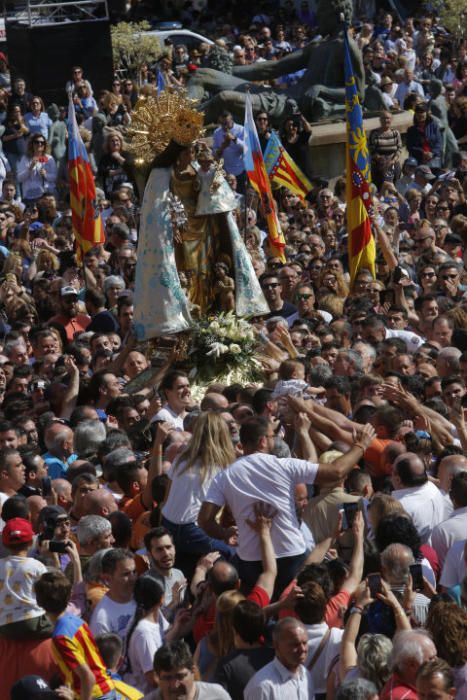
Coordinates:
(411, 648)
(69, 317)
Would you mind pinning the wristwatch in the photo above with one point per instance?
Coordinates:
(356, 609)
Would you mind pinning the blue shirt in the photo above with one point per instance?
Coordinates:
(233, 154)
(56, 468)
(38, 125)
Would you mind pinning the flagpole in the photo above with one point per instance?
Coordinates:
(245, 222)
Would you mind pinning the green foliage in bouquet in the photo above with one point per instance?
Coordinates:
(224, 348)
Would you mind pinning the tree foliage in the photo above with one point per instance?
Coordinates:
(132, 46)
(452, 14)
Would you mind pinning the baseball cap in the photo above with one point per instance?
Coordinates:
(17, 531)
(50, 515)
(30, 688)
(68, 291)
(411, 161)
(36, 226)
(426, 172)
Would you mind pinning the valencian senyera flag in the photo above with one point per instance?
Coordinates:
(86, 219)
(258, 177)
(283, 170)
(362, 250)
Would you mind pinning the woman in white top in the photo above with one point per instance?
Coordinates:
(209, 450)
(147, 631)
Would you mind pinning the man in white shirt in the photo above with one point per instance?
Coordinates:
(408, 86)
(447, 469)
(374, 332)
(455, 565)
(176, 388)
(12, 476)
(454, 528)
(421, 499)
(285, 676)
(258, 476)
(323, 642)
(115, 610)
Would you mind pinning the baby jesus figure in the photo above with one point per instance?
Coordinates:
(224, 288)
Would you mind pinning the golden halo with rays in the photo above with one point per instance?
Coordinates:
(156, 121)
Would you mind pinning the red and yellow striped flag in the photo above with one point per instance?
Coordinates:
(362, 249)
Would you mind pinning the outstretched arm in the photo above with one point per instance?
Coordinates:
(268, 70)
(264, 514)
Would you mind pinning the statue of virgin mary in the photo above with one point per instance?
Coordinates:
(187, 223)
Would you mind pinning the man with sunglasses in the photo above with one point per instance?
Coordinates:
(305, 300)
(272, 289)
(69, 317)
(449, 281)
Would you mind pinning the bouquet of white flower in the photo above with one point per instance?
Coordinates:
(223, 348)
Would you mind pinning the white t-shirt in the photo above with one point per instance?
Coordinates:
(145, 641)
(3, 497)
(17, 599)
(166, 414)
(263, 477)
(452, 530)
(109, 616)
(412, 340)
(455, 566)
(425, 505)
(320, 670)
(186, 494)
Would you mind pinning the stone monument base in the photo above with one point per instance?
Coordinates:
(326, 150)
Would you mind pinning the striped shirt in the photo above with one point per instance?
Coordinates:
(73, 645)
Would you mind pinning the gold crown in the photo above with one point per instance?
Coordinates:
(156, 121)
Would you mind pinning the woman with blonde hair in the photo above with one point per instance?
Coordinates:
(46, 261)
(333, 281)
(220, 641)
(13, 266)
(209, 451)
(381, 505)
(113, 162)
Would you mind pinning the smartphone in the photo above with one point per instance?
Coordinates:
(58, 547)
(374, 583)
(416, 571)
(348, 511)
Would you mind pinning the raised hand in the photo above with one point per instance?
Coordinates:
(264, 514)
(364, 436)
(302, 423)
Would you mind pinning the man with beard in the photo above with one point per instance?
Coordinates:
(161, 550)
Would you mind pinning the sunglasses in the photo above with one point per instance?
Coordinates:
(304, 297)
(273, 285)
(40, 143)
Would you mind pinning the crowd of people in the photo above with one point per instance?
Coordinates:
(305, 537)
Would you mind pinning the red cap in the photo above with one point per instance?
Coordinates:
(17, 531)
(2, 56)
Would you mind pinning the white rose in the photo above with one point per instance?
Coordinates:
(235, 349)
